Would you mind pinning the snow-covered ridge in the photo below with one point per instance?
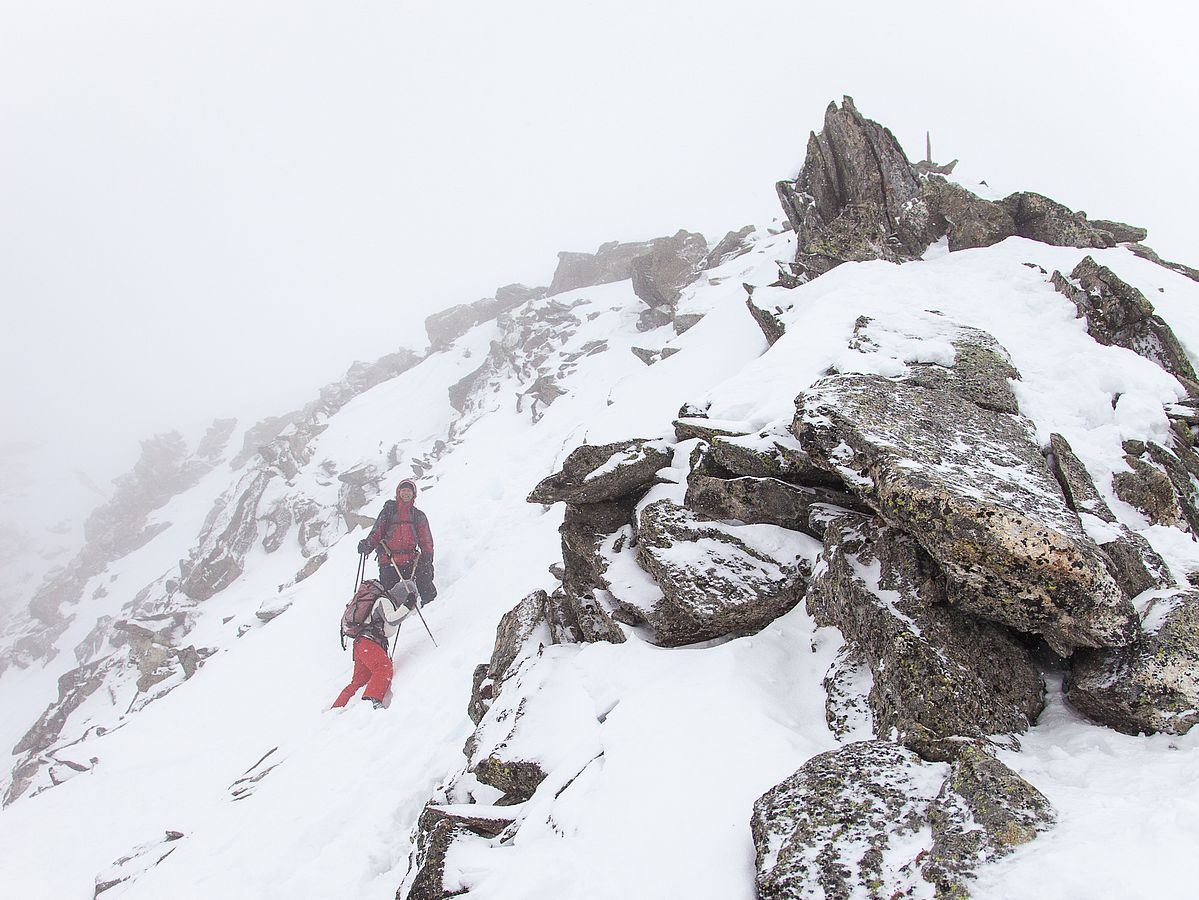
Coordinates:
(643, 761)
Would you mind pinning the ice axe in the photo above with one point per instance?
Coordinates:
(391, 559)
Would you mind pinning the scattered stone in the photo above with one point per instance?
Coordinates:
(1150, 254)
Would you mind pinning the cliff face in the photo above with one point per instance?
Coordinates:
(845, 593)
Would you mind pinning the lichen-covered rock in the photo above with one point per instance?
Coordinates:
(872, 820)
(983, 811)
(436, 833)
(717, 579)
(1121, 233)
(1149, 489)
(936, 671)
(595, 473)
(1117, 314)
(1152, 686)
(970, 484)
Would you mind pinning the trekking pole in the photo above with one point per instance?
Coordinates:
(360, 572)
(391, 559)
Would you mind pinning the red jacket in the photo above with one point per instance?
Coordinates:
(399, 531)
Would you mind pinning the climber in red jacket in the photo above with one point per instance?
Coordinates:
(402, 541)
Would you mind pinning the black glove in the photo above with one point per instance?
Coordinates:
(364, 547)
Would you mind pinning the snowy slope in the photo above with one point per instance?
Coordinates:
(690, 737)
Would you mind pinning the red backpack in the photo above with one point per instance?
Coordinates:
(357, 617)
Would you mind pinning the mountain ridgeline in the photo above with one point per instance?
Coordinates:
(878, 487)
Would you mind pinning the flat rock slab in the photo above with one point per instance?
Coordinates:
(1152, 686)
(970, 484)
(873, 820)
(717, 579)
(595, 473)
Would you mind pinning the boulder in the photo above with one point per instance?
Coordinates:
(873, 820)
(660, 275)
(1117, 314)
(713, 578)
(1151, 686)
(1040, 219)
(972, 487)
(936, 672)
(965, 218)
(1149, 489)
(595, 473)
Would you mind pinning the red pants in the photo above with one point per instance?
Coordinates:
(372, 667)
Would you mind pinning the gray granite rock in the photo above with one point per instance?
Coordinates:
(1151, 686)
(1134, 564)
(1117, 314)
(872, 820)
(970, 484)
(713, 582)
(1041, 219)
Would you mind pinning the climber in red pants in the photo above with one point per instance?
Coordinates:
(372, 619)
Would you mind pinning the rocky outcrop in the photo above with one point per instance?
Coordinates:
(872, 820)
(729, 247)
(1150, 254)
(670, 265)
(714, 580)
(447, 326)
(855, 183)
(858, 198)
(614, 261)
(1134, 564)
(1040, 219)
(969, 484)
(137, 862)
(937, 672)
(1117, 314)
(1151, 686)
(229, 531)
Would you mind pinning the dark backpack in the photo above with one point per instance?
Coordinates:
(358, 615)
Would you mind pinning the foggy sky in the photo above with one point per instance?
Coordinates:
(213, 208)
